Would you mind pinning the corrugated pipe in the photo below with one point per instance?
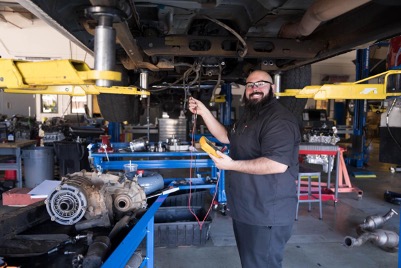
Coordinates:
(321, 10)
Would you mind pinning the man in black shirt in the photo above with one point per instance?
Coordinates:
(261, 171)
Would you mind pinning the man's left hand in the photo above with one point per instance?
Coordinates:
(223, 162)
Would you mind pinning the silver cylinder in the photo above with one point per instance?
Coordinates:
(143, 80)
(143, 83)
(277, 82)
(105, 48)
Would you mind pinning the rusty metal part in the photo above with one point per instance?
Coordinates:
(95, 198)
(257, 47)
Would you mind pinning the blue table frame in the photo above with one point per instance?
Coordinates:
(161, 160)
(144, 227)
(153, 160)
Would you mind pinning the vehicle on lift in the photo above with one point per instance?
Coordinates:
(194, 46)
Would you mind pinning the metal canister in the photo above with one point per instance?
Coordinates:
(138, 145)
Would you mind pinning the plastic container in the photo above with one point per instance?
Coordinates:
(130, 170)
(176, 226)
(38, 165)
(131, 167)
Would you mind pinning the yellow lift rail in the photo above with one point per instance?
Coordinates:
(59, 77)
(359, 90)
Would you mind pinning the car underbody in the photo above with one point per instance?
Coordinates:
(193, 47)
(223, 37)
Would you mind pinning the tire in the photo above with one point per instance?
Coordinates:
(296, 79)
(119, 108)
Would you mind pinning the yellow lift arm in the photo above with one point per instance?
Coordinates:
(60, 77)
(359, 90)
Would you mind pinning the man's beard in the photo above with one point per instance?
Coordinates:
(253, 107)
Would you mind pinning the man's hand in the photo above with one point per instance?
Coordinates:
(197, 107)
(223, 162)
(258, 166)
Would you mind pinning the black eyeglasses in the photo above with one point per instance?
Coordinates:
(258, 84)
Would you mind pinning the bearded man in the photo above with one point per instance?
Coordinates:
(261, 170)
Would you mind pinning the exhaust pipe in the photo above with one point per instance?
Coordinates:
(320, 11)
(386, 240)
(374, 222)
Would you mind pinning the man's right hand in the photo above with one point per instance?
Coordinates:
(196, 106)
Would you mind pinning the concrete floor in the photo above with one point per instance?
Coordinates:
(314, 243)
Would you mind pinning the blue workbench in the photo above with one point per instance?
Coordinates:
(155, 160)
(162, 160)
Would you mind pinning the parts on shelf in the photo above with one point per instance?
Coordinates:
(71, 127)
(20, 127)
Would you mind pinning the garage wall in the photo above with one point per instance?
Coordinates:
(339, 66)
(337, 69)
(34, 40)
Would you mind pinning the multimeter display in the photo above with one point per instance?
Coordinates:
(208, 147)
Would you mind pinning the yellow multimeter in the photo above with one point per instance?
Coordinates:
(208, 147)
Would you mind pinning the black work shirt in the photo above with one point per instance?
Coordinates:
(265, 199)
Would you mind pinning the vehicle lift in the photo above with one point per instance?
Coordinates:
(359, 91)
(359, 155)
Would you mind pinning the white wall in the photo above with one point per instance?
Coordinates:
(34, 40)
(340, 65)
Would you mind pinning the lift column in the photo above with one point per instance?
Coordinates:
(225, 108)
(359, 155)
